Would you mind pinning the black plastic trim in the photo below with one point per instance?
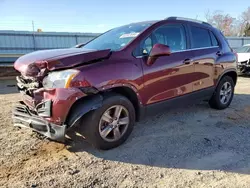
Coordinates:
(82, 107)
(197, 96)
(225, 72)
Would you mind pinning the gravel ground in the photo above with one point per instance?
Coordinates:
(191, 147)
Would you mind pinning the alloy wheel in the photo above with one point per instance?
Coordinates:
(114, 123)
(225, 93)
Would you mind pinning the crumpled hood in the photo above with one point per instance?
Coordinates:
(33, 63)
(243, 57)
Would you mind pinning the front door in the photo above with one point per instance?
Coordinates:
(169, 76)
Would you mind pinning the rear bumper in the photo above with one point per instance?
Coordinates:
(23, 117)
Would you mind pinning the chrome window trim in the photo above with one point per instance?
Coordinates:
(191, 49)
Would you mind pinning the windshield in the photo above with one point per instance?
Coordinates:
(117, 38)
(243, 49)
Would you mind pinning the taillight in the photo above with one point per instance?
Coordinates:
(235, 53)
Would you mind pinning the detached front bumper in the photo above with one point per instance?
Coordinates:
(23, 117)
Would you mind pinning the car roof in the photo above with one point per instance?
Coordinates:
(189, 20)
(180, 19)
(247, 45)
(146, 22)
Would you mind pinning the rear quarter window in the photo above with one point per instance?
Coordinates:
(225, 41)
(214, 39)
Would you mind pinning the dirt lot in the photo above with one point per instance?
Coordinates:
(192, 147)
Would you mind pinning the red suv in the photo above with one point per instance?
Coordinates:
(123, 75)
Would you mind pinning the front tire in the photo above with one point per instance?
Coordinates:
(223, 94)
(110, 125)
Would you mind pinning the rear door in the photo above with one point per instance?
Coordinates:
(206, 51)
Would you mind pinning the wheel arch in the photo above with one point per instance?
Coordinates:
(231, 73)
(81, 107)
(92, 102)
(131, 95)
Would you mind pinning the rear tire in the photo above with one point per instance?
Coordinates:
(94, 127)
(223, 94)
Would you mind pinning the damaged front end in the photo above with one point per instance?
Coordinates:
(51, 111)
(32, 110)
(53, 92)
(24, 117)
(244, 66)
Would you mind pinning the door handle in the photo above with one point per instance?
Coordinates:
(187, 61)
(219, 53)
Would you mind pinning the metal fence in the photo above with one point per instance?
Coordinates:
(16, 43)
(236, 42)
(24, 42)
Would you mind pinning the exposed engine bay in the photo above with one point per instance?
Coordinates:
(27, 85)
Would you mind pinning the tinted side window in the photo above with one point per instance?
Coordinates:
(147, 45)
(248, 49)
(200, 37)
(214, 39)
(171, 35)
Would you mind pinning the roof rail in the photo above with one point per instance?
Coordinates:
(188, 19)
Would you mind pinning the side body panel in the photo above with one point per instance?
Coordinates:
(227, 61)
(204, 66)
(121, 70)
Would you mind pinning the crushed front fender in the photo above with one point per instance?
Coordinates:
(82, 107)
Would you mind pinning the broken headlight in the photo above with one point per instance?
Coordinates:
(59, 79)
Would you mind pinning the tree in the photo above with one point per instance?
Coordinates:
(247, 29)
(228, 25)
(245, 16)
(224, 22)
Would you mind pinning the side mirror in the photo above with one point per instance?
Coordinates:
(157, 51)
